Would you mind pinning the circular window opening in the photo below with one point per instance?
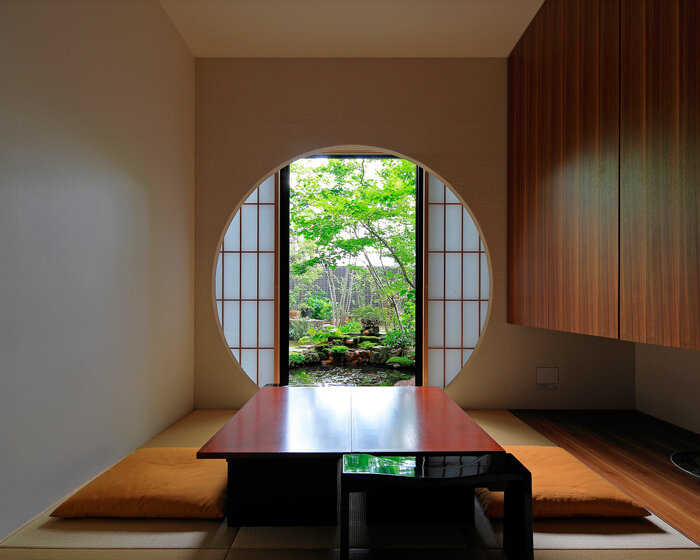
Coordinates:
(452, 259)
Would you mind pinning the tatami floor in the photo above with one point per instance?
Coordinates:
(105, 539)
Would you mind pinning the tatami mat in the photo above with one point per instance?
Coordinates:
(581, 534)
(617, 554)
(642, 532)
(112, 539)
(194, 430)
(506, 429)
(110, 554)
(49, 532)
(364, 554)
(286, 537)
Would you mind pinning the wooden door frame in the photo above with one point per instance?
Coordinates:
(282, 371)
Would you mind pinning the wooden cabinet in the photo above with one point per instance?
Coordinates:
(563, 169)
(604, 170)
(660, 172)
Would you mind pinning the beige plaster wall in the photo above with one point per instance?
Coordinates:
(255, 115)
(668, 384)
(96, 240)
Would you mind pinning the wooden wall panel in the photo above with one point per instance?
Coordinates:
(563, 169)
(660, 172)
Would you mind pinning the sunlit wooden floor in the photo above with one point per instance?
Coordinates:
(631, 450)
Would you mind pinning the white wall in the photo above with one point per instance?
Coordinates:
(96, 240)
(668, 384)
(254, 115)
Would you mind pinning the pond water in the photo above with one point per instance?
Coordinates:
(364, 375)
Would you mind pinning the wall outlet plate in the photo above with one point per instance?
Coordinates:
(548, 378)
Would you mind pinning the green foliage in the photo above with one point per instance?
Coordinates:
(367, 338)
(360, 213)
(367, 312)
(317, 301)
(367, 345)
(400, 361)
(339, 350)
(351, 327)
(297, 328)
(404, 339)
(296, 360)
(408, 317)
(321, 334)
(304, 340)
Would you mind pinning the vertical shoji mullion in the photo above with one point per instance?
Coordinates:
(426, 274)
(478, 293)
(461, 286)
(444, 284)
(240, 286)
(277, 335)
(257, 293)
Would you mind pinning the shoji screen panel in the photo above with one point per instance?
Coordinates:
(245, 283)
(457, 279)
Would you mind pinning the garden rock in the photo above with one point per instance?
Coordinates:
(406, 382)
(380, 354)
(357, 357)
(312, 357)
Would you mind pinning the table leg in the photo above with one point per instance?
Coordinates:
(517, 519)
(344, 523)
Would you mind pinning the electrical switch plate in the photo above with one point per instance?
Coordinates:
(548, 378)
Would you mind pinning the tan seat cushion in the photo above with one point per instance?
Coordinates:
(156, 482)
(562, 486)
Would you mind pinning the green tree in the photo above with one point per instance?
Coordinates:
(361, 213)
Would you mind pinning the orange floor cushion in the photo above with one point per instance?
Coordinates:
(562, 486)
(166, 482)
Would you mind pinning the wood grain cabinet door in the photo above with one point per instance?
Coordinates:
(563, 169)
(660, 172)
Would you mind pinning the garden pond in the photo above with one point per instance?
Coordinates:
(346, 375)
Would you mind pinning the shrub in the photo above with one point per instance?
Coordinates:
(322, 334)
(304, 340)
(318, 303)
(400, 338)
(368, 312)
(297, 327)
(400, 361)
(367, 344)
(339, 350)
(351, 327)
(296, 360)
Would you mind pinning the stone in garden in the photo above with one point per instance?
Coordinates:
(406, 383)
(312, 357)
(380, 354)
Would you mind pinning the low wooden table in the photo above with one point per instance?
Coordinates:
(284, 446)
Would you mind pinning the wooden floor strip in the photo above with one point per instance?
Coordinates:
(631, 450)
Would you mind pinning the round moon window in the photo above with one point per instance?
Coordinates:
(454, 260)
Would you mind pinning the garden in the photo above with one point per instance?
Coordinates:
(352, 262)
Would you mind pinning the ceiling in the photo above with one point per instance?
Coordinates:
(351, 28)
